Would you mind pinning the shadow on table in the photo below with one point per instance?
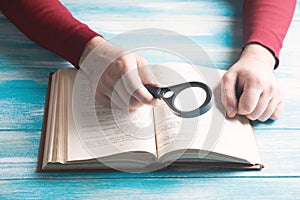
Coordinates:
(171, 172)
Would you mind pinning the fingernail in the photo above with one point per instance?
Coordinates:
(230, 111)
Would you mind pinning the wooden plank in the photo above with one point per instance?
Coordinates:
(197, 188)
(228, 8)
(16, 50)
(29, 77)
(21, 109)
(280, 151)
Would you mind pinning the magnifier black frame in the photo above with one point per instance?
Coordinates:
(159, 92)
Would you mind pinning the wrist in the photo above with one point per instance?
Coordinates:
(94, 42)
(260, 53)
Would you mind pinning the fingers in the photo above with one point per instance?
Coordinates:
(278, 111)
(261, 102)
(123, 98)
(259, 105)
(260, 108)
(228, 93)
(273, 111)
(249, 100)
(259, 93)
(134, 86)
(145, 72)
(121, 82)
(118, 75)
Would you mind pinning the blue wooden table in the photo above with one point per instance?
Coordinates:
(216, 25)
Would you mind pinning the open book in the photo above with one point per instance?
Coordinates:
(80, 133)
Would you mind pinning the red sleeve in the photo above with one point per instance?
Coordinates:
(49, 24)
(266, 22)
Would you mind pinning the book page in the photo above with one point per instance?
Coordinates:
(96, 131)
(59, 153)
(210, 132)
(49, 138)
(174, 132)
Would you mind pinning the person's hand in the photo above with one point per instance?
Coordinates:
(250, 88)
(117, 76)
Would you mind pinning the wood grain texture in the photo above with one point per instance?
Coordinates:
(216, 26)
(174, 188)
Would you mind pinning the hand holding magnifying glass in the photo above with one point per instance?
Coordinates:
(170, 94)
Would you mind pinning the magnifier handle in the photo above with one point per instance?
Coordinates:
(169, 99)
(154, 90)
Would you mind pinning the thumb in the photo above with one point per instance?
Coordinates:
(145, 71)
(228, 93)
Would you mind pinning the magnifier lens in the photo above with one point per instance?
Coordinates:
(190, 99)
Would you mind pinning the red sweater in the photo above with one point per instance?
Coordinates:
(51, 25)
(266, 22)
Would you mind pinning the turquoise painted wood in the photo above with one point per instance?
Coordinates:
(213, 24)
(163, 188)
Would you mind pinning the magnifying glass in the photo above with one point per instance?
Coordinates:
(183, 99)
